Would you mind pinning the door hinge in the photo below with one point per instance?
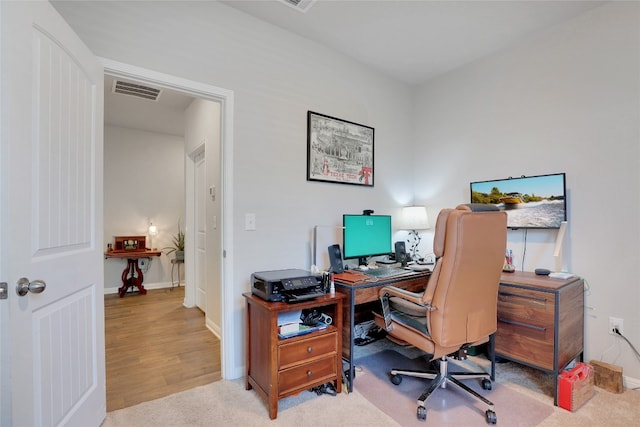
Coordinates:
(4, 290)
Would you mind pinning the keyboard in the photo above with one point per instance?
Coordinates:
(386, 272)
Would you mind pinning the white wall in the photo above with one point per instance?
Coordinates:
(144, 181)
(203, 132)
(276, 77)
(566, 100)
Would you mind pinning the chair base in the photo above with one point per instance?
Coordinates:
(443, 378)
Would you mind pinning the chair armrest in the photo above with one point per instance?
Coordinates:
(392, 291)
(413, 298)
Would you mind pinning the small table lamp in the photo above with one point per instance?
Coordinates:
(414, 218)
(153, 231)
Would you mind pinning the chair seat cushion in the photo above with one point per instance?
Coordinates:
(410, 314)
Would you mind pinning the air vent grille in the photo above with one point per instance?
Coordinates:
(299, 5)
(136, 89)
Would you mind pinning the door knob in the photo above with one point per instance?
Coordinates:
(24, 286)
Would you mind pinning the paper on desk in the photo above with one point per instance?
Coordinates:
(289, 317)
(350, 276)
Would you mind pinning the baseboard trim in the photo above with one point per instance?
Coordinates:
(147, 286)
(630, 383)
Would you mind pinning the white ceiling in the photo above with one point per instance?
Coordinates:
(411, 41)
(414, 41)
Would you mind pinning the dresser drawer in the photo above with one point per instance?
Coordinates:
(526, 325)
(298, 352)
(307, 375)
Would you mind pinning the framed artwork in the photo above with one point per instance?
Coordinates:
(339, 151)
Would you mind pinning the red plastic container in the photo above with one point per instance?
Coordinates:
(575, 387)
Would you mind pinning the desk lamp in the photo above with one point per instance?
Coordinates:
(414, 218)
(153, 231)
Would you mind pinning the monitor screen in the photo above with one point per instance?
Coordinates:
(529, 201)
(366, 236)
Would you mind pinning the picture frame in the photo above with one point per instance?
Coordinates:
(339, 151)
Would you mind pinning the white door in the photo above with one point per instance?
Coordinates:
(51, 212)
(200, 210)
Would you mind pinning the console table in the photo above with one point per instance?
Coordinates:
(276, 367)
(132, 274)
(540, 322)
(364, 291)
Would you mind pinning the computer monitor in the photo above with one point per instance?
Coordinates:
(365, 236)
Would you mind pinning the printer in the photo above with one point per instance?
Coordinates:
(287, 285)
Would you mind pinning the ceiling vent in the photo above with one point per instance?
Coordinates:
(136, 89)
(299, 5)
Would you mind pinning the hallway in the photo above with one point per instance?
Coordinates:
(156, 347)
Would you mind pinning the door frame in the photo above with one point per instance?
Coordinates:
(225, 97)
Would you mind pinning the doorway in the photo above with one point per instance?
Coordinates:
(224, 98)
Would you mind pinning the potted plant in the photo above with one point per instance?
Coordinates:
(177, 245)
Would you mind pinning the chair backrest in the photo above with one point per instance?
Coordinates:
(463, 288)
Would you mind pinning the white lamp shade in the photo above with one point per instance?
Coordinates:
(153, 230)
(415, 218)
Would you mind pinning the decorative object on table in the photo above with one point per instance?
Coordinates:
(414, 218)
(508, 262)
(339, 151)
(129, 243)
(178, 244)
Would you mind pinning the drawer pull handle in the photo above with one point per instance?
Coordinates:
(511, 294)
(309, 373)
(524, 325)
(309, 349)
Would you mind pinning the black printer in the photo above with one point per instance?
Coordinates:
(287, 285)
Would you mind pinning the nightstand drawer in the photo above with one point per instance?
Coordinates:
(307, 375)
(526, 325)
(313, 347)
(528, 342)
(526, 305)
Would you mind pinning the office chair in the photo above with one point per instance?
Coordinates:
(458, 308)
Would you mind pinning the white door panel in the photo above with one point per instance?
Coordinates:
(52, 107)
(201, 195)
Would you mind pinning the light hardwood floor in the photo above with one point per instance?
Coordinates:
(156, 347)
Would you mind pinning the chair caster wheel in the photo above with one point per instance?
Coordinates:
(486, 384)
(396, 379)
(491, 417)
(421, 413)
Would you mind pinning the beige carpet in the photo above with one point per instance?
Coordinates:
(228, 403)
(446, 407)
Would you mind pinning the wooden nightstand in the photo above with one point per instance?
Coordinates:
(540, 321)
(277, 368)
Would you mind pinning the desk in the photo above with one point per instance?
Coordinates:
(132, 274)
(540, 321)
(278, 368)
(363, 292)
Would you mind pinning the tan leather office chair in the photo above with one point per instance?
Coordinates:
(458, 308)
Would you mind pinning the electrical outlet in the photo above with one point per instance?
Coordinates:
(615, 323)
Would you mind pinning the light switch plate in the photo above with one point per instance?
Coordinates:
(250, 221)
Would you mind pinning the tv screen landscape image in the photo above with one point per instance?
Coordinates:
(529, 201)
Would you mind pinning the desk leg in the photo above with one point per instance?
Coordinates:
(348, 325)
(132, 276)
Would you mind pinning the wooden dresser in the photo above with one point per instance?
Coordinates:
(540, 321)
(277, 368)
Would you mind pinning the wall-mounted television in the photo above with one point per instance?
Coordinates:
(365, 236)
(530, 201)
